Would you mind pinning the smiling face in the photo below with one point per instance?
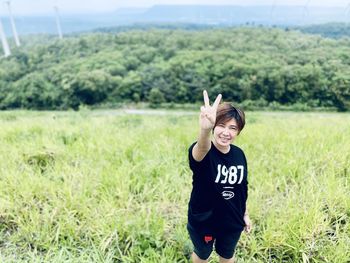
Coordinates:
(224, 134)
(229, 123)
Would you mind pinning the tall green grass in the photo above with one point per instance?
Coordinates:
(87, 187)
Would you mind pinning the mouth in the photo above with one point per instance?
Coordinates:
(225, 139)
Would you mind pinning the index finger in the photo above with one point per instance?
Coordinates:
(206, 98)
(217, 101)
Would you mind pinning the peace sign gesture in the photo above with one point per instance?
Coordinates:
(208, 113)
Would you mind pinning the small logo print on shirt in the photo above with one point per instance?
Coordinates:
(227, 195)
(207, 239)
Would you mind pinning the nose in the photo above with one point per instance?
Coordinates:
(226, 131)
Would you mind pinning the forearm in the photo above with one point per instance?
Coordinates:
(204, 142)
(202, 146)
(246, 213)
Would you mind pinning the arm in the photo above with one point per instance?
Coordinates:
(207, 119)
(248, 223)
(202, 146)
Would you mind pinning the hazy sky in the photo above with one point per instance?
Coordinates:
(21, 7)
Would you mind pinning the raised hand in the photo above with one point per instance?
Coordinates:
(207, 116)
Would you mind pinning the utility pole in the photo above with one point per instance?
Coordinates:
(272, 11)
(347, 12)
(305, 12)
(14, 30)
(58, 22)
(5, 44)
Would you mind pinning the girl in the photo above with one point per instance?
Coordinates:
(217, 207)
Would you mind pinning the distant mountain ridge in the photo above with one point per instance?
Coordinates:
(229, 15)
(235, 14)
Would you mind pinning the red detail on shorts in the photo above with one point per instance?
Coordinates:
(207, 239)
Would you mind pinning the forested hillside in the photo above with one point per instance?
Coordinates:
(255, 67)
(332, 30)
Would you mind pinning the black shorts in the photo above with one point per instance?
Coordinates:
(225, 244)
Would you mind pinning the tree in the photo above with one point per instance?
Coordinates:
(155, 97)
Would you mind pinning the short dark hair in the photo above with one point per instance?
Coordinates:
(226, 111)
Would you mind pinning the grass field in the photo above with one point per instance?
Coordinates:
(94, 187)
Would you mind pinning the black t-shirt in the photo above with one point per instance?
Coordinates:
(220, 191)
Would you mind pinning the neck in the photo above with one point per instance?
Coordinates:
(223, 149)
